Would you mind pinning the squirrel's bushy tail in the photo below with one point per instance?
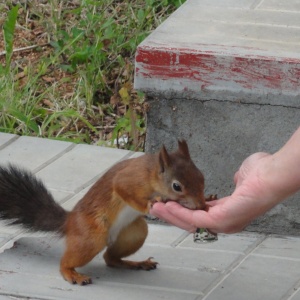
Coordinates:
(24, 200)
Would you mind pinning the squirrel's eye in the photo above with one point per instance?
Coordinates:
(176, 186)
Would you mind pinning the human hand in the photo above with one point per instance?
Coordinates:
(252, 197)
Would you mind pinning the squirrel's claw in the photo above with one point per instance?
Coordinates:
(153, 201)
(211, 197)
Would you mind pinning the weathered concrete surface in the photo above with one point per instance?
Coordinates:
(225, 75)
(225, 50)
(220, 137)
(225, 270)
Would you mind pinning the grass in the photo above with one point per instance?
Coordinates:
(67, 68)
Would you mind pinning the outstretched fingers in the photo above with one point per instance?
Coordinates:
(196, 218)
(182, 217)
(159, 210)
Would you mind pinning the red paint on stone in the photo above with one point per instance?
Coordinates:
(212, 68)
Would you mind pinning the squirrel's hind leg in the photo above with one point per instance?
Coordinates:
(130, 239)
(80, 250)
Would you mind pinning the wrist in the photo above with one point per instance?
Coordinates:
(281, 173)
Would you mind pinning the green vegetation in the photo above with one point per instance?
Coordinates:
(67, 68)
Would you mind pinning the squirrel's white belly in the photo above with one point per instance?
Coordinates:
(125, 217)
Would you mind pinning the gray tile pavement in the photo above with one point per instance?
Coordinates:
(241, 266)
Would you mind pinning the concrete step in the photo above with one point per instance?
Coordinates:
(225, 75)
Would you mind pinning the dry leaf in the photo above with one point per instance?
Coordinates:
(48, 103)
(20, 75)
(48, 79)
(114, 99)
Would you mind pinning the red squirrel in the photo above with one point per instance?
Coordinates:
(111, 214)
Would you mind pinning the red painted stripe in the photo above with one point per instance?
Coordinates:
(248, 71)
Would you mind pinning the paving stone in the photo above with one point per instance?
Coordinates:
(6, 138)
(80, 167)
(296, 296)
(61, 196)
(275, 5)
(184, 271)
(8, 231)
(69, 205)
(211, 257)
(285, 247)
(259, 278)
(40, 256)
(209, 262)
(175, 279)
(165, 235)
(239, 243)
(3, 239)
(244, 4)
(56, 288)
(32, 153)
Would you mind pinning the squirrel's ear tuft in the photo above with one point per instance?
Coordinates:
(164, 159)
(184, 149)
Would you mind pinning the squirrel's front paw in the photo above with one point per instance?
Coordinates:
(156, 199)
(153, 201)
(211, 197)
